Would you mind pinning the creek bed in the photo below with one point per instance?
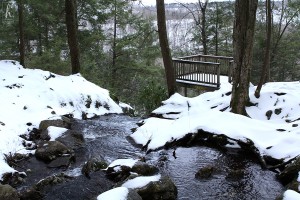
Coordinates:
(236, 176)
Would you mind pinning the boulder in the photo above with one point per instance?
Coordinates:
(144, 169)
(93, 165)
(63, 161)
(56, 122)
(8, 193)
(133, 195)
(158, 190)
(72, 139)
(205, 172)
(290, 172)
(50, 150)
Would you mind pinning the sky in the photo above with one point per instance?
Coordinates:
(153, 2)
(29, 96)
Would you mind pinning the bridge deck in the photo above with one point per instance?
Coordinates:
(202, 70)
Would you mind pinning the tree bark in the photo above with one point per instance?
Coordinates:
(164, 45)
(266, 63)
(203, 7)
(71, 22)
(21, 33)
(243, 33)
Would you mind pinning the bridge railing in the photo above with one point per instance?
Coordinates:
(207, 73)
(225, 62)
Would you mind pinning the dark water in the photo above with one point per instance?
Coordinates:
(235, 175)
(106, 137)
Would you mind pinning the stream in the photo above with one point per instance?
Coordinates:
(237, 175)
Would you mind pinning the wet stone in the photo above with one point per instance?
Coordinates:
(8, 193)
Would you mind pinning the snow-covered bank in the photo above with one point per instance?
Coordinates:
(273, 126)
(30, 95)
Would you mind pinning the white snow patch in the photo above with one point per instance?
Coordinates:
(119, 193)
(291, 195)
(55, 132)
(123, 162)
(140, 181)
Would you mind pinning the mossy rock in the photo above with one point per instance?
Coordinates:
(8, 193)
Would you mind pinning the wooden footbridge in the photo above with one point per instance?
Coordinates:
(202, 70)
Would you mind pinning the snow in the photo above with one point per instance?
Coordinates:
(124, 162)
(29, 96)
(278, 136)
(55, 132)
(291, 195)
(119, 193)
(140, 181)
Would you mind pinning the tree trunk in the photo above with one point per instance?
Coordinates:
(203, 7)
(21, 33)
(243, 33)
(217, 30)
(164, 45)
(266, 63)
(71, 22)
(114, 45)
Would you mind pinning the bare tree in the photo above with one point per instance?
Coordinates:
(243, 33)
(72, 26)
(199, 17)
(266, 62)
(164, 45)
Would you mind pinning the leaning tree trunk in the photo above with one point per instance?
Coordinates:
(164, 45)
(243, 33)
(71, 22)
(266, 63)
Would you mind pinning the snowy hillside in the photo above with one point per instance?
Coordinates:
(28, 96)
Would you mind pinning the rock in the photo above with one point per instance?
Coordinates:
(13, 179)
(205, 172)
(8, 193)
(290, 172)
(133, 195)
(72, 139)
(235, 174)
(52, 180)
(93, 165)
(294, 185)
(57, 122)
(269, 114)
(31, 194)
(144, 169)
(63, 161)
(45, 135)
(162, 189)
(121, 174)
(50, 150)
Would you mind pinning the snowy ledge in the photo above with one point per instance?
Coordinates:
(29, 96)
(273, 129)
